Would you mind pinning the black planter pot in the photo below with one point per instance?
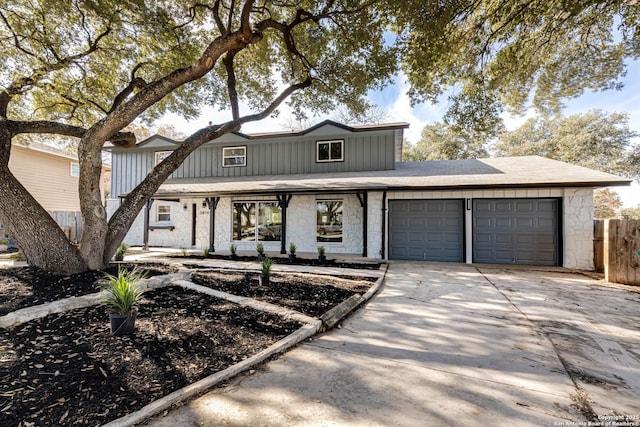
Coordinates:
(264, 280)
(260, 257)
(322, 259)
(292, 257)
(122, 324)
(233, 256)
(119, 257)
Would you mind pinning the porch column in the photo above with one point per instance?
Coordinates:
(147, 212)
(283, 202)
(212, 203)
(364, 203)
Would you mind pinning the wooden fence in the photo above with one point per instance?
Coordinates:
(616, 249)
(70, 222)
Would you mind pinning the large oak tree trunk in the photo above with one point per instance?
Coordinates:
(41, 240)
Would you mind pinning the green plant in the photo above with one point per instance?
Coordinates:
(233, 248)
(4, 242)
(124, 291)
(205, 251)
(292, 248)
(320, 250)
(266, 266)
(260, 248)
(183, 251)
(122, 249)
(17, 256)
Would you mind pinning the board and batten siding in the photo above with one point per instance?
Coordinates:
(364, 151)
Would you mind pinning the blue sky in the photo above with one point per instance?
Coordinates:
(393, 99)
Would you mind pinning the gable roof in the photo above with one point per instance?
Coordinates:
(279, 134)
(507, 172)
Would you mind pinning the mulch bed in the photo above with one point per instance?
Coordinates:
(287, 261)
(27, 286)
(310, 294)
(67, 369)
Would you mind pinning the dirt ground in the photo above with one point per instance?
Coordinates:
(67, 369)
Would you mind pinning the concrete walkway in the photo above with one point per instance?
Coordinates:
(440, 345)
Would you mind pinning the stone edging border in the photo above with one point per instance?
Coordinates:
(312, 326)
(305, 332)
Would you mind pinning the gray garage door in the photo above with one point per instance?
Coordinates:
(426, 230)
(515, 231)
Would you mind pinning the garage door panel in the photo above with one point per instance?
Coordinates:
(520, 231)
(430, 230)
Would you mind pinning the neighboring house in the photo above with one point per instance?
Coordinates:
(346, 189)
(51, 176)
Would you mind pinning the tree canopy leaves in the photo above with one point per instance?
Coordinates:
(500, 54)
(596, 139)
(442, 141)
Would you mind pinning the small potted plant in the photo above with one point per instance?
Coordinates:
(121, 251)
(124, 291)
(292, 251)
(183, 251)
(205, 252)
(233, 248)
(321, 255)
(260, 250)
(265, 271)
(4, 245)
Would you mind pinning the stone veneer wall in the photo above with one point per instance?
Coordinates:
(577, 215)
(578, 228)
(577, 209)
(301, 225)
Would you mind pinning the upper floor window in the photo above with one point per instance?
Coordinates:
(75, 169)
(234, 156)
(330, 151)
(161, 155)
(163, 213)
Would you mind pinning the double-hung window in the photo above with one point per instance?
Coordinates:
(234, 156)
(163, 213)
(330, 151)
(75, 169)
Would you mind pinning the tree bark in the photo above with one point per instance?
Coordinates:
(41, 240)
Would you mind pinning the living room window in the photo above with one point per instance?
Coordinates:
(330, 151)
(234, 156)
(163, 213)
(265, 227)
(329, 221)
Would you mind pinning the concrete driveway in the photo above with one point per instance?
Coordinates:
(451, 344)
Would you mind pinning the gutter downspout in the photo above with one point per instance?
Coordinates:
(384, 224)
(364, 203)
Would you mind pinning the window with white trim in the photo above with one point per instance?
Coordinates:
(75, 169)
(163, 213)
(329, 221)
(330, 151)
(234, 156)
(161, 155)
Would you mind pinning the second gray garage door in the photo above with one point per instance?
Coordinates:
(516, 231)
(431, 230)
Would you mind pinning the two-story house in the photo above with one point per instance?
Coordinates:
(51, 175)
(346, 188)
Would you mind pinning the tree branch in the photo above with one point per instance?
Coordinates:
(55, 128)
(231, 83)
